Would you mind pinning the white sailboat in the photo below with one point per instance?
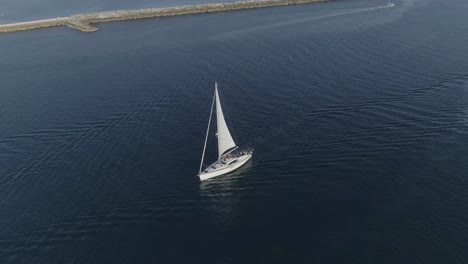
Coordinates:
(230, 156)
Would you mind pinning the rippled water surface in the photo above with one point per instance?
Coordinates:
(358, 114)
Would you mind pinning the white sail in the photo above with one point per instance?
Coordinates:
(225, 140)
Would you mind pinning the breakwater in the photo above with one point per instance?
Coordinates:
(83, 22)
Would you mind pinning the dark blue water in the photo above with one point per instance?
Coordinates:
(358, 115)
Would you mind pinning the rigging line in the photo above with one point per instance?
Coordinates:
(206, 137)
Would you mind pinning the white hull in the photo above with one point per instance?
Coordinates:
(223, 170)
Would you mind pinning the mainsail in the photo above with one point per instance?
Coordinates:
(225, 140)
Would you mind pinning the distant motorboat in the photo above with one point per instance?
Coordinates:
(231, 157)
(390, 4)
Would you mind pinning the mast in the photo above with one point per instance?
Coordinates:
(206, 137)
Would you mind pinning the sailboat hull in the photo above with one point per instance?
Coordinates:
(223, 170)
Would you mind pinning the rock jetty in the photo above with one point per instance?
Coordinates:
(83, 22)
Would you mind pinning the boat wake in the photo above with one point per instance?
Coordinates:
(303, 20)
(335, 15)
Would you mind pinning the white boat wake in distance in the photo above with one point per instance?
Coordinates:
(251, 29)
(231, 157)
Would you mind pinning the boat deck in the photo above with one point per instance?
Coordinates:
(227, 160)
